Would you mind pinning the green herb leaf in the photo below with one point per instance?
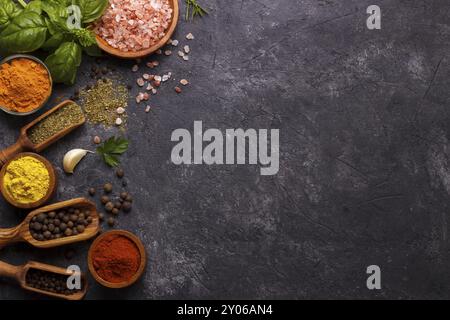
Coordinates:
(35, 6)
(25, 33)
(63, 64)
(84, 36)
(91, 10)
(111, 149)
(193, 9)
(8, 10)
(93, 51)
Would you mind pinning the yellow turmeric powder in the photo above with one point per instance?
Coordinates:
(27, 180)
(24, 85)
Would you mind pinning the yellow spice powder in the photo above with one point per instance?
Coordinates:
(27, 180)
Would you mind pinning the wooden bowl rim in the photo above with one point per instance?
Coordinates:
(143, 53)
(138, 273)
(95, 224)
(52, 184)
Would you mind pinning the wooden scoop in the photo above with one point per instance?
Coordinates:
(24, 143)
(22, 233)
(19, 273)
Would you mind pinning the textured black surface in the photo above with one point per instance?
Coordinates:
(364, 161)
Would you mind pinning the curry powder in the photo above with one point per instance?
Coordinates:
(27, 180)
(24, 85)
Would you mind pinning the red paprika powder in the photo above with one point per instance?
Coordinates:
(116, 258)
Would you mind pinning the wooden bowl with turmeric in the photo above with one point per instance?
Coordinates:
(27, 180)
(25, 84)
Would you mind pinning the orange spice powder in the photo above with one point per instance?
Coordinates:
(24, 85)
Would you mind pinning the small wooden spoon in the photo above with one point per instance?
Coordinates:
(19, 273)
(24, 143)
(22, 233)
(145, 52)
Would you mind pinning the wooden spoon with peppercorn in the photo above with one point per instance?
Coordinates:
(45, 279)
(24, 143)
(55, 225)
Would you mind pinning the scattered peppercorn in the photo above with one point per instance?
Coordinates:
(104, 199)
(126, 206)
(120, 173)
(109, 206)
(108, 187)
(111, 221)
(91, 191)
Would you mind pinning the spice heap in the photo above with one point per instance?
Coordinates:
(24, 85)
(26, 180)
(49, 281)
(57, 224)
(69, 115)
(105, 103)
(116, 258)
(135, 24)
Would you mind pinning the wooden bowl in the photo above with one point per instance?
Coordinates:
(143, 53)
(50, 192)
(138, 273)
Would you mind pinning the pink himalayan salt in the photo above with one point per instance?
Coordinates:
(134, 25)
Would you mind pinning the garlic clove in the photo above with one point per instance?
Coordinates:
(72, 158)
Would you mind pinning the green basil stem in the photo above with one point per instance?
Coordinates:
(22, 3)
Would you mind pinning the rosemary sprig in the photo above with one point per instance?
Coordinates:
(193, 9)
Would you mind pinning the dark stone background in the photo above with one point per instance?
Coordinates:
(364, 161)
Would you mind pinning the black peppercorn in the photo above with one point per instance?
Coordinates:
(108, 187)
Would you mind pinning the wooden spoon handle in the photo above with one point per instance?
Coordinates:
(11, 151)
(10, 271)
(10, 235)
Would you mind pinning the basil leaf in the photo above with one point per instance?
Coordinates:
(93, 51)
(54, 42)
(25, 33)
(64, 62)
(8, 10)
(91, 10)
(35, 6)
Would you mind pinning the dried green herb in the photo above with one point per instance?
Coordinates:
(100, 102)
(54, 123)
(111, 149)
(193, 9)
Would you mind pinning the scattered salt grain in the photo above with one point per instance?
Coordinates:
(119, 121)
(181, 53)
(135, 68)
(165, 77)
(190, 36)
(154, 91)
(168, 52)
(146, 76)
(174, 43)
(147, 109)
(120, 110)
(158, 78)
(186, 58)
(155, 63)
(140, 82)
(184, 82)
(187, 49)
(149, 87)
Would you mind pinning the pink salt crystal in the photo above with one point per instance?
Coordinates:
(133, 25)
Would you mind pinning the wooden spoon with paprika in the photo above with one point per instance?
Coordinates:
(25, 144)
